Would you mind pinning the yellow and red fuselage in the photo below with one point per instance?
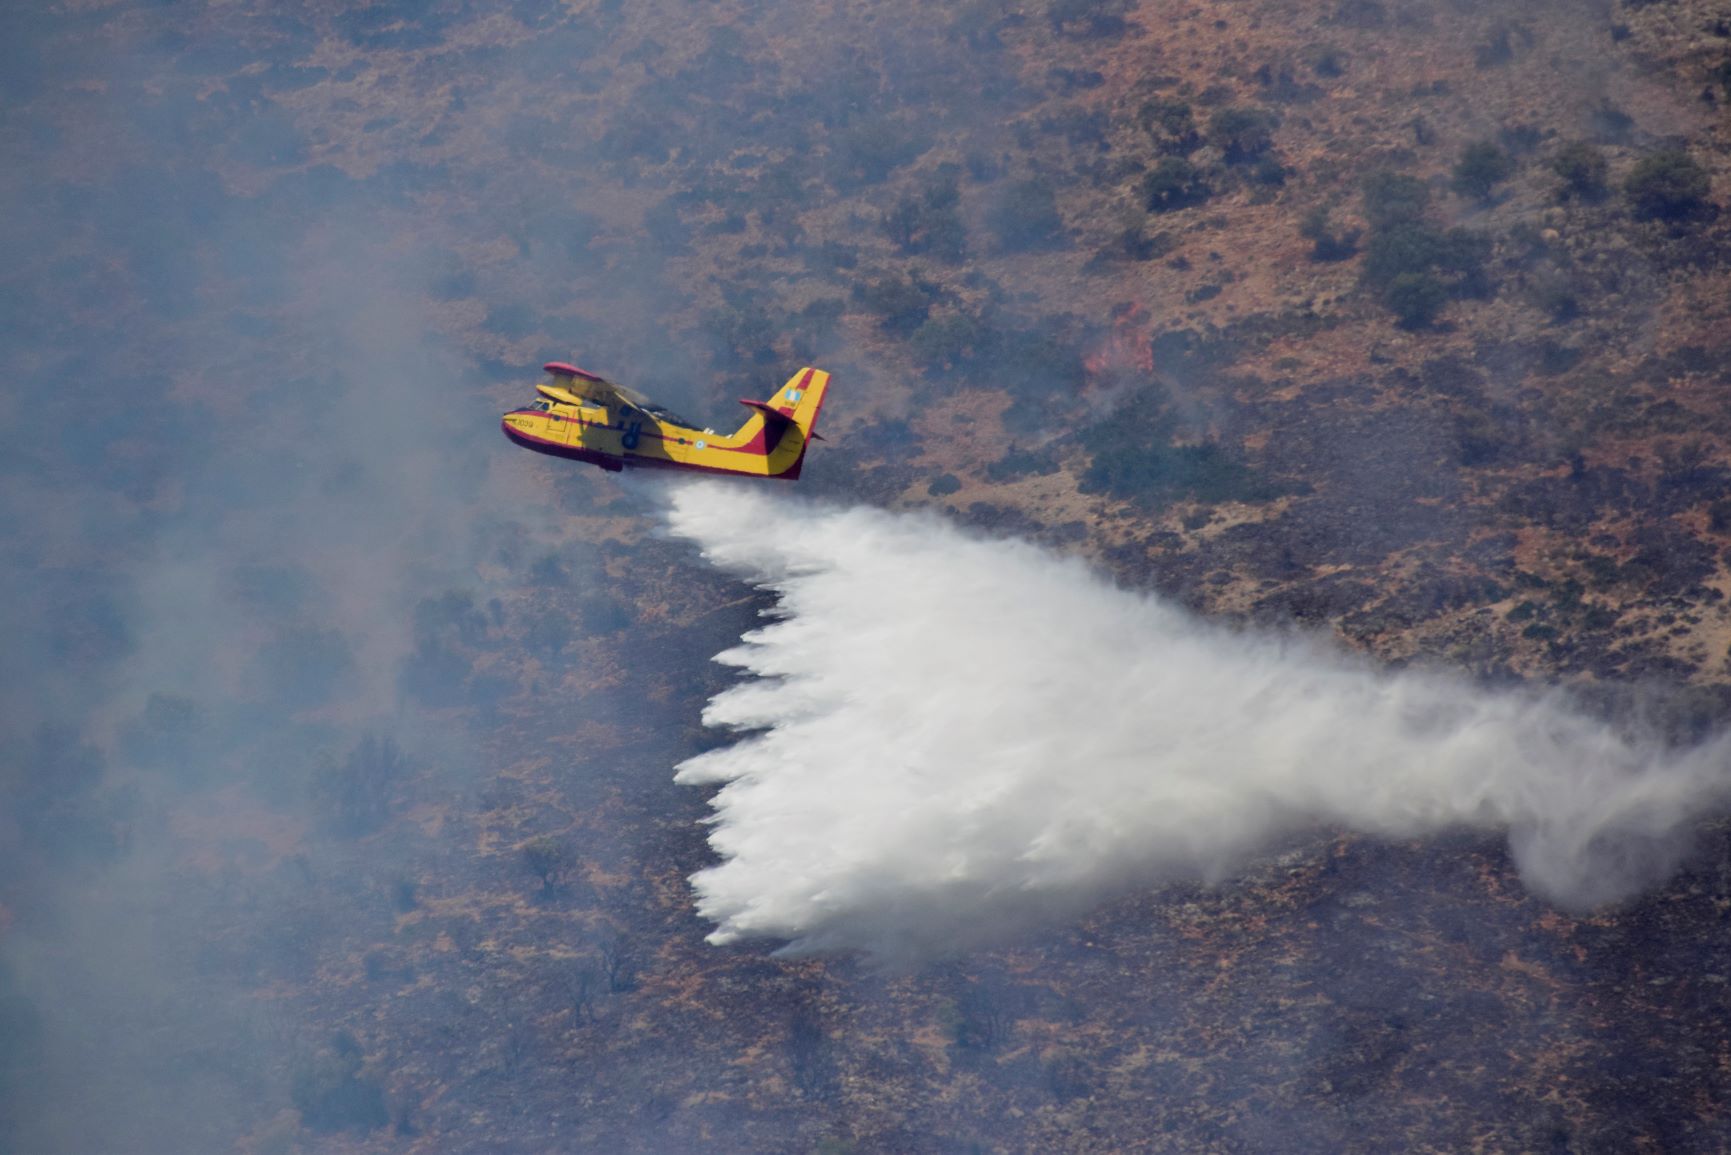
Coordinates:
(587, 418)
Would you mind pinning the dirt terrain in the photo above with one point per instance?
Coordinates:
(340, 740)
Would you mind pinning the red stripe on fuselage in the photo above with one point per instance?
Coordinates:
(603, 425)
(614, 463)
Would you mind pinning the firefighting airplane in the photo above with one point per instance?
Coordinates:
(589, 418)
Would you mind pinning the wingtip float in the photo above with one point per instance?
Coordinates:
(585, 417)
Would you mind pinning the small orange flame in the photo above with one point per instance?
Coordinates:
(1126, 350)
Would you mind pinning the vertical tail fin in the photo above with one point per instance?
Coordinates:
(801, 399)
(790, 420)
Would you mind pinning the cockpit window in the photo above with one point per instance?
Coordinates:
(541, 406)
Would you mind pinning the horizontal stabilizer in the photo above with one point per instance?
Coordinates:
(774, 421)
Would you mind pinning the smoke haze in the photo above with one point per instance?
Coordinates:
(945, 735)
(335, 809)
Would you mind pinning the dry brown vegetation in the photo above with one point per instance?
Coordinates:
(962, 211)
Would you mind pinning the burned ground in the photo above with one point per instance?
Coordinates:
(338, 740)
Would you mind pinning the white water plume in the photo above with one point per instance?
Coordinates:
(948, 735)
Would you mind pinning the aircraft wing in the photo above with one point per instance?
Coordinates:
(609, 393)
(623, 395)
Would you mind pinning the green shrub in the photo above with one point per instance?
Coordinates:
(927, 222)
(978, 22)
(1037, 360)
(1326, 61)
(1481, 439)
(1582, 168)
(1521, 139)
(1134, 458)
(1361, 14)
(332, 1094)
(1024, 216)
(1172, 124)
(663, 225)
(1069, 1076)
(1559, 295)
(353, 797)
(1326, 244)
(1414, 266)
(1081, 128)
(729, 225)
(1087, 18)
(944, 484)
(636, 136)
(1667, 186)
(830, 257)
(814, 326)
(946, 342)
(1132, 243)
(1611, 123)
(980, 1018)
(900, 303)
(1392, 198)
(1501, 47)
(1174, 183)
(548, 860)
(1268, 172)
(741, 330)
(1206, 472)
(1242, 134)
(866, 153)
(1017, 462)
(1482, 166)
(1457, 255)
(1416, 298)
